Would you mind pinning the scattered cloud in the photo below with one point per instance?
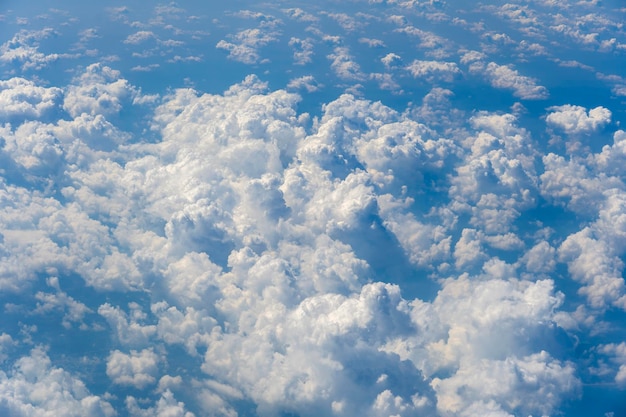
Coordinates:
(505, 77)
(391, 60)
(23, 48)
(372, 43)
(299, 14)
(306, 82)
(434, 70)
(347, 22)
(344, 66)
(246, 44)
(574, 120)
(139, 37)
(303, 50)
(137, 369)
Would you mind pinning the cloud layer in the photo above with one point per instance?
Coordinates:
(454, 249)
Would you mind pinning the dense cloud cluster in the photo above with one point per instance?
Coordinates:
(191, 253)
(251, 232)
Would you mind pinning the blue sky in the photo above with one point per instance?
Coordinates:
(376, 208)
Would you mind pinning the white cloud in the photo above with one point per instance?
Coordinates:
(259, 293)
(347, 22)
(386, 82)
(576, 119)
(34, 147)
(298, 14)
(313, 345)
(166, 406)
(520, 383)
(139, 37)
(505, 77)
(593, 253)
(292, 302)
(74, 311)
(145, 68)
(251, 224)
(424, 244)
(190, 327)
(94, 131)
(428, 40)
(387, 404)
(466, 331)
(592, 263)
(497, 180)
(128, 328)
(191, 58)
(24, 48)
(137, 369)
(611, 159)
(23, 98)
(502, 76)
(246, 44)
(98, 91)
(494, 214)
(265, 20)
(540, 258)
(468, 249)
(437, 109)
(616, 352)
(523, 16)
(88, 34)
(191, 280)
(372, 43)
(434, 70)
(306, 82)
(34, 387)
(571, 183)
(344, 66)
(6, 345)
(531, 48)
(391, 60)
(619, 90)
(579, 36)
(303, 50)
(27, 243)
(472, 56)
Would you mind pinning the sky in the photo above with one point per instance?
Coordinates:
(334, 208)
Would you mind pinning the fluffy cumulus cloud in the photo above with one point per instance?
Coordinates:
(577, 119)
(593, 254)
(344, 65)
(258, 263)
(34, 387)
(137, 369)
(306, 82)
(505, 77)
(245, 45)
(617, 354)
(98, 91)
(432, 70)
(502, 76)
(20, 97)
(298, 246)
(166, 406)
(23, 49)
(495, 369)
(250, 233)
